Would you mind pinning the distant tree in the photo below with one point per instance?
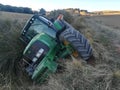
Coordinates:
(42, 11)
(35, 12)
(28, 10)
(9, 8)
(19, 9)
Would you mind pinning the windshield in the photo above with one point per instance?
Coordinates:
(39, 27)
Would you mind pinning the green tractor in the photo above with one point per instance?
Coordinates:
(46, 42)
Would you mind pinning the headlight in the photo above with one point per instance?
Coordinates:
(34, 59)
(38, 54)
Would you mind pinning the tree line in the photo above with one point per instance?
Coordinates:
(9, 8)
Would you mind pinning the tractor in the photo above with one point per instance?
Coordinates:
(46, 42)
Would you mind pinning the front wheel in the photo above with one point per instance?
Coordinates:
(78, 42)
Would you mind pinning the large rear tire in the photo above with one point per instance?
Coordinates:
(78, 42)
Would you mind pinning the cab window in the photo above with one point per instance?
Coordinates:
(39, 27)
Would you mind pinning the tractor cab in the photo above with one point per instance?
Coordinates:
(36, 25)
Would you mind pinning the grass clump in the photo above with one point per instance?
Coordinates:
(78, 23)
(10, 46)
(11, 49)
(81, 78)
(67, 16)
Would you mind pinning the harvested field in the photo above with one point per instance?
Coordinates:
(109, 20)
(101, 32)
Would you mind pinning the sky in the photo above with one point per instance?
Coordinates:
(48, 5)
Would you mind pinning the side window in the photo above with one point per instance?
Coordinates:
(38, 26)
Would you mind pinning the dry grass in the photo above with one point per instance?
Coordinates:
(14, 16)
(81, 78)
(10, 48)
(107, 12)
(77, 75)
(110, 20)
(104, 48)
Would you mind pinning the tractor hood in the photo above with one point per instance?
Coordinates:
(39, 57)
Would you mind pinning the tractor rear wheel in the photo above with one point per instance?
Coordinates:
(78, 42)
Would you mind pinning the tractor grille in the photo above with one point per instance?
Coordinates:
(35, 48)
